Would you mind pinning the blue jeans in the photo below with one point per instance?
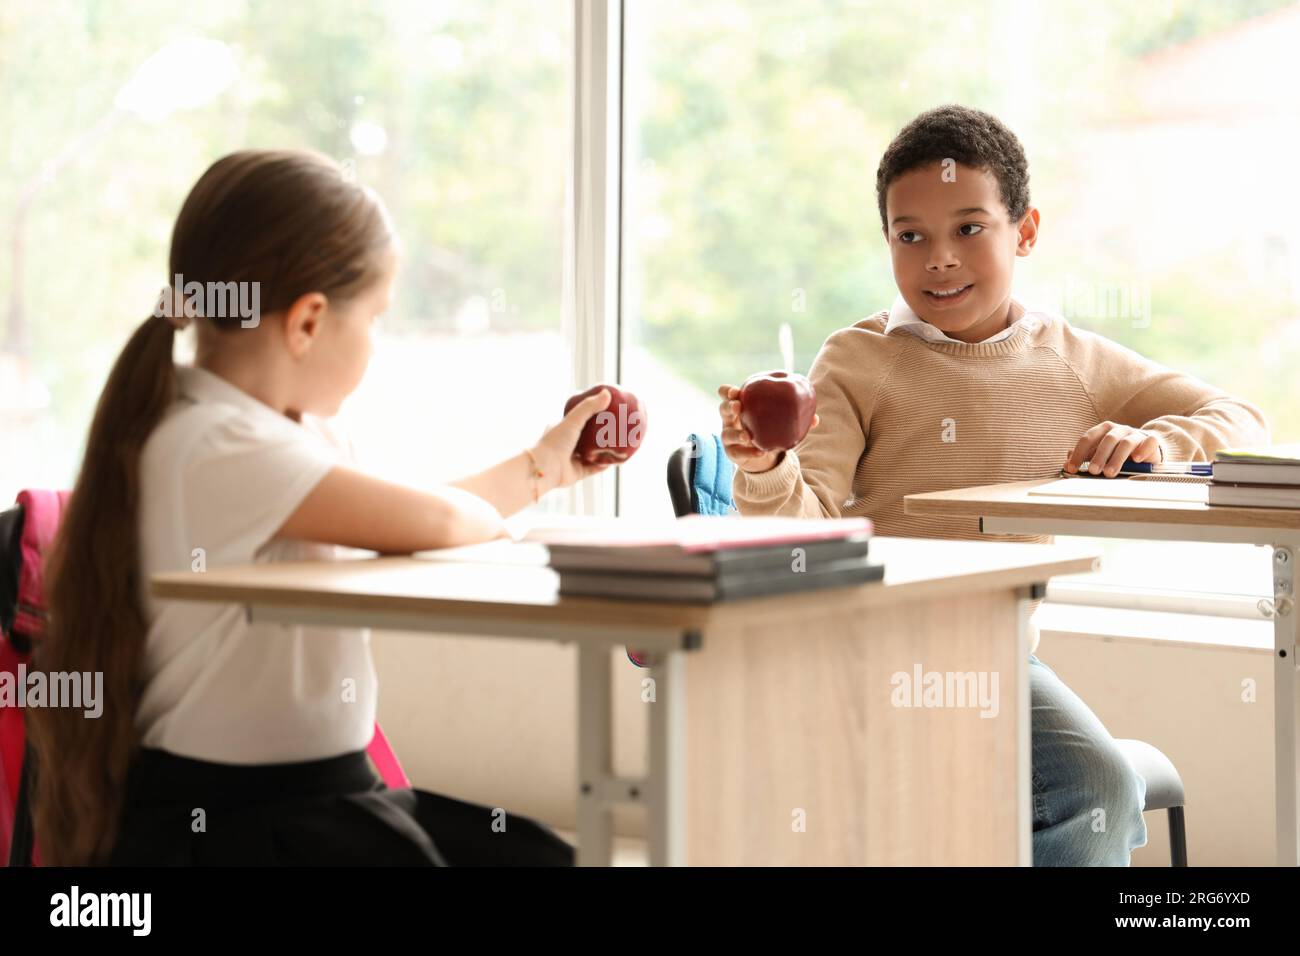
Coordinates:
(1087, 799)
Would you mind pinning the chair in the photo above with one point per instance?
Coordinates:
(699, 477)
(1164, 791)
(1164, 785)
(17, 840)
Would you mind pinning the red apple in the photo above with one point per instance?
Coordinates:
(777, 409)
(614, 433)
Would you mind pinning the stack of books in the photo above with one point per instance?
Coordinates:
(708, 558)
(1261, 476)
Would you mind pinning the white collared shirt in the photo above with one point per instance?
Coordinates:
(901, 316)
(219, 476)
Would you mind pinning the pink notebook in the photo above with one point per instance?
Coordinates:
(696, 533)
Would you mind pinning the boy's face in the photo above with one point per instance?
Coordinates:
(953, 232)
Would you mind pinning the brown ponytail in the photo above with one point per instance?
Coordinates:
(96, 620)
(289, 221)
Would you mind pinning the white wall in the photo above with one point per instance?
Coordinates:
(1180, 689)
(495, 721)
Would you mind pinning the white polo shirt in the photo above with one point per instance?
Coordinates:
(221, 473)
(901, 316)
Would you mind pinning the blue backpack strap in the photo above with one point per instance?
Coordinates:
(711, 474)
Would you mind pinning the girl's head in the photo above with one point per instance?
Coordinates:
(292, 264)
(285, 231)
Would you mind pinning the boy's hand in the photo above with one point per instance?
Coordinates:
(1106, 445)
(737, 442)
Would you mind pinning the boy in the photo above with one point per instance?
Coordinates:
(956, 385)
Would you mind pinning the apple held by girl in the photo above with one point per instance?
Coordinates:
(612, 435)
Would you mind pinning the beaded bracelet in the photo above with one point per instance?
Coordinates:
(536, 472)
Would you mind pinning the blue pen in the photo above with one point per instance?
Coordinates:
(1183, 468)
(1131, 467)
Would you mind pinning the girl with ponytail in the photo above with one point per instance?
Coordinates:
(232, 460)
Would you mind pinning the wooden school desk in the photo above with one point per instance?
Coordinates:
(1011, 509)
(772, 737)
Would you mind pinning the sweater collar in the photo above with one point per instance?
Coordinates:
(901, 316)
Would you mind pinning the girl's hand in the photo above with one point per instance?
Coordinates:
(1106, 445)
(554, 450)
(737, 442)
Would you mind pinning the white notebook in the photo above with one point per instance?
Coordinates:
(501, 551)
(1124, 489)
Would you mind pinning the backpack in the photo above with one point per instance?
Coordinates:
(26, 532)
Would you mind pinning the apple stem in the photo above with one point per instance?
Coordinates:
(785, 341)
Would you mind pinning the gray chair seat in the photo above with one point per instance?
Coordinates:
(1164, 786)
(1164, 791)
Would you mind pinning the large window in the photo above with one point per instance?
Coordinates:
(455, 112)
(1156, 134)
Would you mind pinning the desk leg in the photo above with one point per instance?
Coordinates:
(665, 782)
(662, 790)
(595, 755)
(1024, 742)
(1286, 717)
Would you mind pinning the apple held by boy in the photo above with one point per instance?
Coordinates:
(777, 409)
(614, 434)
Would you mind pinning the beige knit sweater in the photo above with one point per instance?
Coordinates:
(901, 415)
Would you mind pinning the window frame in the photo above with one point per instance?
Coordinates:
(594, 296)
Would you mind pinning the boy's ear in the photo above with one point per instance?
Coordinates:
(1028, 232)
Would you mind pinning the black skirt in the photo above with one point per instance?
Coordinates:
(334, 812)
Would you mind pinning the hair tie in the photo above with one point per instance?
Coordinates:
(171, 306)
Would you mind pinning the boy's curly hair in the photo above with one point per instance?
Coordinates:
(970, 137)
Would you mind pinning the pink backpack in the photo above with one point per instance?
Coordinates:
(38, 514)
(22, 598)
